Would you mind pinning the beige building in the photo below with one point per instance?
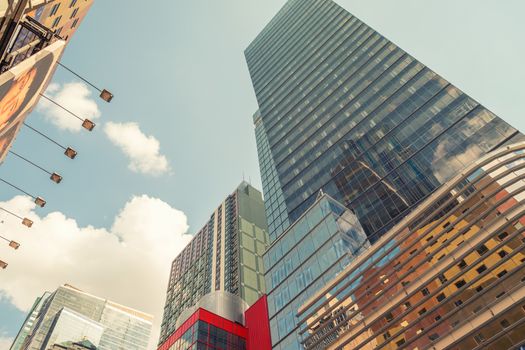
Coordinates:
(451, 275)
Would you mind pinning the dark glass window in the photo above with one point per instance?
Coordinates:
(462, 264)
(482, 249)
(54, 9)
(502, 236)
(481, 269)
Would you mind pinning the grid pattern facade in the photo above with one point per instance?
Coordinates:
(225, 255)
(274, 202)
(315, 248)
(205, 336)
(68, 325)
(123, 327)
(451, 275)
(26, 328)
(62, 16)
(343, 109)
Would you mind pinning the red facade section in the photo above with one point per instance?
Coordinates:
(256, 331)
(258, 325)
(208, 317)
(223, 323)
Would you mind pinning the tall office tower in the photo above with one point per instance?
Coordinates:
(71, 313)
(451, 275)
(343, 109)
(29, 321)
(225, 255)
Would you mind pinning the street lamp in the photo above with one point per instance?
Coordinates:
(86, 123)
(68, 151)
(104, 94)
(55, 177)
(25, 221)
(12, 244)
(38, 200)
(3, 265)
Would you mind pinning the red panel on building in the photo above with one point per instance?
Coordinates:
(256, 332)
(257, 322)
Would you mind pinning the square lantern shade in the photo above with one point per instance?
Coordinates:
(56, 178)
(14, 245)
(88, 124)
(70, 153)
(3, 265)
(27, 222)
(40, 202)
(106, 95)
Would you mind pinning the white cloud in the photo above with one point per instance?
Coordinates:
(76, 97)
(143, 151)
(5, 341)
(129, 263)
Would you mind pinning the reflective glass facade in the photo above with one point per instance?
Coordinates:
(69, 326)
(123, 326)
(225, 255)
(26, 328)
(313, 250)
(449, 276)
(205, 336)
(343, 109)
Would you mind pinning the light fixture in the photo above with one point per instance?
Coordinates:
(40, 202)
(86, 123)
(12, 244)
(56, 178)
(25, 221)
(104, 94)
(69, 152)
(3, 265)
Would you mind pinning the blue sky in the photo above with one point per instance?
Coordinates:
(177, 70)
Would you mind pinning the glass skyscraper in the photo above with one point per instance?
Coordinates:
(343, 109)
(318, 246)
(344, 112)
(225, 255)
(29, 321)
(67, 311)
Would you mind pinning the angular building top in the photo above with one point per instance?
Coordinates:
(343, 109)
(315, 248)
(225, 255)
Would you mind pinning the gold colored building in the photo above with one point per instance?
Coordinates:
(451, 275)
